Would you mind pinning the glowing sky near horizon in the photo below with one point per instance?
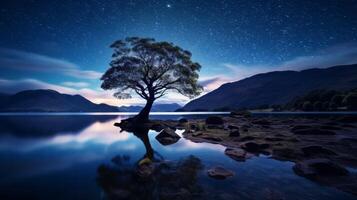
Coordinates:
(64, 45)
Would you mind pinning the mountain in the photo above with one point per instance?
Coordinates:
(130, 108)
(155, 108)
(275, 88)
(49, 101)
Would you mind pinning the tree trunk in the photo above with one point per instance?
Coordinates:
(144, 113)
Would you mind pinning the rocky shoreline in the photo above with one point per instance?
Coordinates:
(322, 148)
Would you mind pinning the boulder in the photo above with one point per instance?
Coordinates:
(251, 147)
(245, 127)
(167, 137)
(264, 146)
(316, 150)
(214, 120)
(254, 147)
(234, 133)
(319, 167)
(236, 154)
(219, 173)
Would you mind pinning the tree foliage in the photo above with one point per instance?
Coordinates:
(150, 69)
(325, 100)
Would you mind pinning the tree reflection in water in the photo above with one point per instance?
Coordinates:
(151, 177)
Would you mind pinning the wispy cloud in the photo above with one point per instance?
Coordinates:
(26, 61)
(76, 84)
(343, 54)
(212, 83)
(96, 96)
(337, 55)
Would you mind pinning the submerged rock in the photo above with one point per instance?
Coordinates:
(236, 154)
(145, 170)
(284, 153)
(167, 137)
(180, 194)
(314, 168)
(212, 138)
(219, 173)
(271, 194)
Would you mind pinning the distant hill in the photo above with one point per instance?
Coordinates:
(275, 88)
(49, 101)
(155, 108)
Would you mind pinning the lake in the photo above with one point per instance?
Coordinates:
(83, 156)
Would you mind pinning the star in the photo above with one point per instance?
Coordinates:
(168, 5)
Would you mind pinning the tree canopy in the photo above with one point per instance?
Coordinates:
(150, 69)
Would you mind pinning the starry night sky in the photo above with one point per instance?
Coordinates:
(64, 45)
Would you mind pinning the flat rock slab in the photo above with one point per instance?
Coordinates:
(236, 154)
(219, 173)
(212, 138)
(315, 168)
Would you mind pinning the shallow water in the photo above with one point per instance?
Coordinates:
(59, 157)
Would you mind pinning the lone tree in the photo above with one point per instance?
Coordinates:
(150, 69)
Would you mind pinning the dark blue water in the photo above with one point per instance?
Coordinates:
(63, 157)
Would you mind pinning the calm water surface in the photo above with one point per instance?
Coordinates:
(63, 156)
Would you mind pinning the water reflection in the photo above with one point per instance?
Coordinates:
(90, 159)
(46, 126)
(150, 177)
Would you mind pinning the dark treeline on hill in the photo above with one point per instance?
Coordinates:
(279, 88)
(325, 100)
(316, 100)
